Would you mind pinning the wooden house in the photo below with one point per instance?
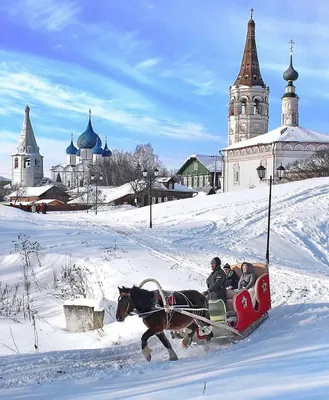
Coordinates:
(202, 172)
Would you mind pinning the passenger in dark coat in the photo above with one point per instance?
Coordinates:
(248, 277)
(232, 278)
(216, 281)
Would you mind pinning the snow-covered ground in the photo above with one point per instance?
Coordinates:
(287, 357)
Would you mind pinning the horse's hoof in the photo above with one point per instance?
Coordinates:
(186, 342)
(148, 358)
(172, 356)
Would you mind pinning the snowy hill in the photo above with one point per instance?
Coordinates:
(287, 357)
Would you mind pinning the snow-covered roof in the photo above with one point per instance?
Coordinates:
(124, 190)
(3, 179)
(48, 201)
(283, 134)
(212, 163)
(32, 191)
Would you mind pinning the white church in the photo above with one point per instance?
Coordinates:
(249, 142)
(75, 173)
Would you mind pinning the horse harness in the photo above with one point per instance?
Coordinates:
(170, 307)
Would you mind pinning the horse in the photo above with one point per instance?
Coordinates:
(157, 319)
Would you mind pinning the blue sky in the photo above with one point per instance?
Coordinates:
(151, 71)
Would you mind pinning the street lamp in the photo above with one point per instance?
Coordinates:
(145, 173)
(261, 170)
(96, 178)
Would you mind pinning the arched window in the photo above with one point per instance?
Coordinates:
(68, 183)
(243, 107)
(27, 163)
(236, 174)
(231, 111)
(256, 106)
(16, 163)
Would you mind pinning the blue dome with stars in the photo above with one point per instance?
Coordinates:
(88, 139)
(107, 152)
(71, 149)
(98, 147)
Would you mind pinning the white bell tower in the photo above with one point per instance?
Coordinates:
(248, 107)
(27, 163)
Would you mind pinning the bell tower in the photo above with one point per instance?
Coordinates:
(248, 104)
(290, 115)
(27, 163)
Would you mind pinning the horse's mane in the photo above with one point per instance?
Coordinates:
(142, 298)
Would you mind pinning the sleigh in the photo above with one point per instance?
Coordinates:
(244, 310)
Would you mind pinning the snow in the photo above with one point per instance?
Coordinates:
(283, 134)
(33, 191)
(287, 357)
(212, 163)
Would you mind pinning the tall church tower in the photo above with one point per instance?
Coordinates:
(248, 108)
(290, 114)
(27, 163)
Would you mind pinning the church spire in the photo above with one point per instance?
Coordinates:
(27, 143)
(248, 108)
(290, 114)
(249, 74)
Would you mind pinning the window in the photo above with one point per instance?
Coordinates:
(231, 110)
(27, 163)
(195, 181)
(37, 162)
(189, 181)
(68, 183)
(81, 182)
(165, 199)
(236, 174)
(243, 106)
(236, 177)
(154, 200)
(16, 162)
(159, 199)
(256, 106)
(195, 166)
(171, 185)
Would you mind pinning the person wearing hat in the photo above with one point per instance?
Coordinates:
(232, 278)
(216, 281)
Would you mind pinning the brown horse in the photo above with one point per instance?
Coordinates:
(157, 319)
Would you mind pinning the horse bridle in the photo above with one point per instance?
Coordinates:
(128, 304)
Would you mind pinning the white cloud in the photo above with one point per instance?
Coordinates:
(151, 62)
(69, 100)
(203, 80)
(50, 15)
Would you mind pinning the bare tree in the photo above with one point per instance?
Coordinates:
(125, 167)
(3, 192)
(19, 191)
(316, 166)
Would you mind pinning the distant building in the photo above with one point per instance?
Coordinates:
(37, 193)
(27, 163)
(75, 173)
(249, 142)
(137, 193)
(202, 172)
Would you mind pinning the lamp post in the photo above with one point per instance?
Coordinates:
(145, 174)
(96, 178)
(261, 170)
